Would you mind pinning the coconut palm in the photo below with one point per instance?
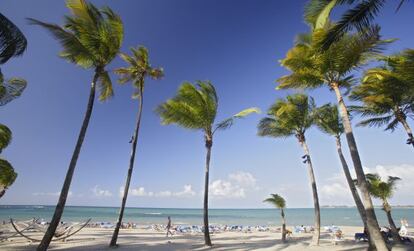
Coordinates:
(359, 17)
(91, 38)
(387, 95)
(7, 173)
(138, 69)
(195, 107)
(328, 121)
(12, 41)
(279, 202)
(312, 68)
(292, 117)
(384, 190)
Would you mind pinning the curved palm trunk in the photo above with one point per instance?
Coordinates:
(209, 144)
(317, 233)
(2, 191)
(129, 175)
(353, 189)
(282, 213)
(394, 231)
(410, 140)
(372, 223)
(47, 238)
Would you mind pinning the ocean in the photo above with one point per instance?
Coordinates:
(252, 217)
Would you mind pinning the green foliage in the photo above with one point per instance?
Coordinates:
(90, 37)
(328, 120)
(386, 92)
(7, 174)
(5, 137)
(138, 69)
(311, 68)
(195, 107)
(227, 123)
(276, 200)
(360, 16)
(378, 188)
(317, 12)
(287, 117)
(10, 89)
(12, 41)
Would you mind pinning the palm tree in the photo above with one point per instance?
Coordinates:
(195, 107)
(138, 69)
(311, 68)
(387, 95)
(328, 121)
(7, 173)
(279, 202)
(12, 43)
(384, 190)
(91, 38)
(292, 117)
(359, 17)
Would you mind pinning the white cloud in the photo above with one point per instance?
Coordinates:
(101, 192)
(140, 191)
(234, 187)
(50, 194)
(335, 190)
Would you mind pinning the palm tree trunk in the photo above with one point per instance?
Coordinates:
(394, 231)
(282, 212)
(2, 191)
(372, 223)
(317, 233)
(129, 175)
(353, 189)
(209, 144)
(407, 128)
(47, 238)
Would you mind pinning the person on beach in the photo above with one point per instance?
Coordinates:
(169, 227)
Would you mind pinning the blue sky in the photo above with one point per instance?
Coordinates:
(236, 45)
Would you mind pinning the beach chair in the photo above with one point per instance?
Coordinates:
(361, 237)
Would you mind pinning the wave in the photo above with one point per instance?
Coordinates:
(153, 213)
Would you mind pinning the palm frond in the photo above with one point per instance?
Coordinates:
(105, 86)
(276, 200)
(227, 123)
(359, 17)
(7, 173)
(5, 137)
(12, 41)
(11, 89)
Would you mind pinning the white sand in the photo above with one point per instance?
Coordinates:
(141, 239)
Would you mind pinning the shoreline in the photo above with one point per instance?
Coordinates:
(144, 238)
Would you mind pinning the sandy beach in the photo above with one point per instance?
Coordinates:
(144, 239)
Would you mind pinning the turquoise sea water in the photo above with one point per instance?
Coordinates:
(146, 216)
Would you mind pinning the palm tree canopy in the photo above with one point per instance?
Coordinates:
(7, 174)
(386, 92)
(328, 120)
(312, 67)
(195, 107)
(381, 189)
(90, 37)
(11, 89)
(5, 136)
(12, 41)
(359, 17)
(138, 69)
(276, 200)
(287, 117)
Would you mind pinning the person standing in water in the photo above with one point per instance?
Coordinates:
(169, 227)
